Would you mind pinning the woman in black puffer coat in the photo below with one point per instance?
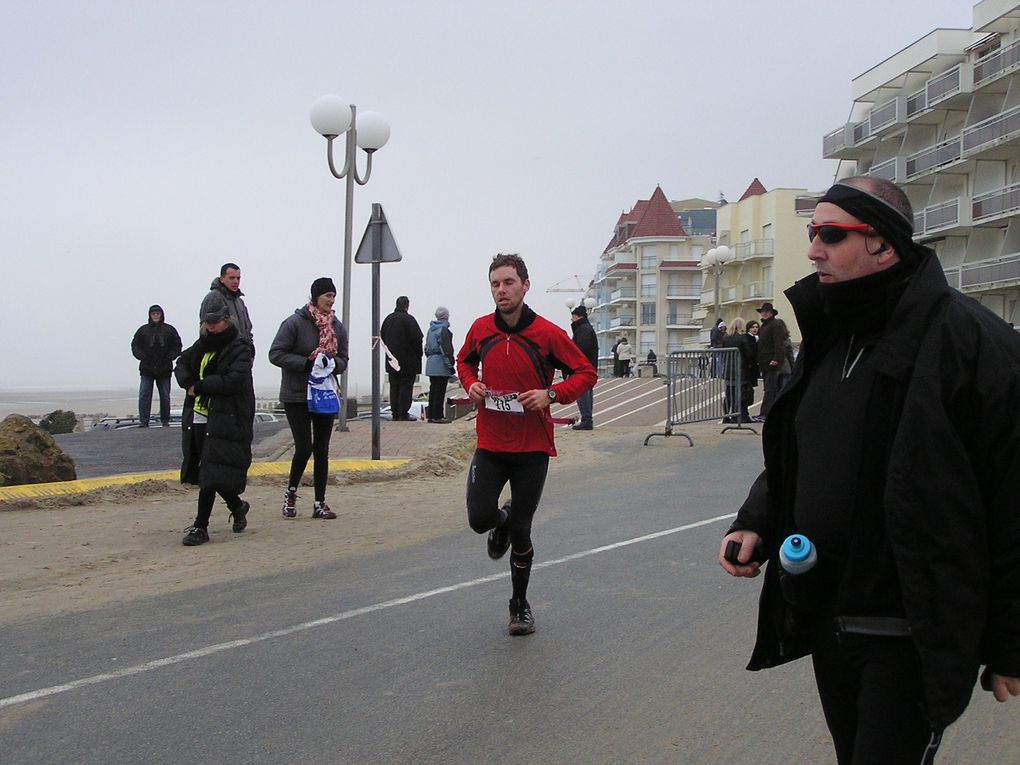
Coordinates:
(219, 414)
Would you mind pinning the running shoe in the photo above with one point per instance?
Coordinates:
(321, 510)
(521, 620)
(290, 503)
(195, 536)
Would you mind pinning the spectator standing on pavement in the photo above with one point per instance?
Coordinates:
(439, 363)
(402, 335)
(586, 340)
(626, 352)
(228, 284)
(616, 357)
(771, 354)
(739, 398)
(219, 416)
(890, 451)
(309, 341)
(156, 345)
(752, 330)
(506, 365)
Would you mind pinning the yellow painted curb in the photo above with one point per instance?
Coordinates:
(60, 488)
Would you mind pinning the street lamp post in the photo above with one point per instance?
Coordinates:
(332, 117)
(715, 259)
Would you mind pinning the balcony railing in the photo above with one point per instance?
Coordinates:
(728, 294)
(997, 128)
(621, 321)
(944, 85)
(759, 248)
(986, 272)
(933, 157)
(996, 64)
(884, 115)
(886, 170)
(687, 292)
(942, 215)
(624, 293)
(674, 319)
(862, 131)
(648, 290)
(835, 142)
(756, 290)
(997, 202)
(917, 103)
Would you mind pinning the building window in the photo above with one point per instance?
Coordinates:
(648, 313)
(648, 257)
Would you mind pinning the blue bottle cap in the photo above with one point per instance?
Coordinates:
(797, 548)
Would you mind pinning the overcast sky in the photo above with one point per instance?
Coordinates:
(144, 144)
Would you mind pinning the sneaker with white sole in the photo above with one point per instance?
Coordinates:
(321, 510)
(290, 503)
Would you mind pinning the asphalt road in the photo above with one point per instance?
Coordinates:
(403, 657)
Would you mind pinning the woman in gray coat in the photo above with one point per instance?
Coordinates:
(439, 363)
(312, 334)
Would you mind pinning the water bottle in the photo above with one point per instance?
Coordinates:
(797, 558)
(797, 555)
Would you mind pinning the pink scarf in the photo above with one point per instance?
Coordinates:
(327, 335)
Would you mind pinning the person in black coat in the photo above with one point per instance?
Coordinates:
(156, 344)
(311, 333)
(587, 341)
(895, 449)
(219, 416)
(739, 393)
(402, 336)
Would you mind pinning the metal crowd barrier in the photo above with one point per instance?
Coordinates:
(701, 386)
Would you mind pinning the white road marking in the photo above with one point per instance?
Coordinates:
(199, 653)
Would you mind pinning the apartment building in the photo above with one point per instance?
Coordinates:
(649, 280)
(767, 252)
(941, 118)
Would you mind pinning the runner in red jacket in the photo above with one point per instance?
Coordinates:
(506, 366)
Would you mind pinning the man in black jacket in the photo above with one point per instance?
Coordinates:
(402, 335)
(896, 450)
(771, 354)
(156, 345)
(584, 338)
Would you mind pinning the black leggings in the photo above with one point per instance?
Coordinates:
(207, 497)
(870, 689)
(311, 438)
(489, 473)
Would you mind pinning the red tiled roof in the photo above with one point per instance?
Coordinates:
(754, 190)
(658, 218)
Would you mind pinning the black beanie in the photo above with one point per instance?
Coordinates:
(321, 286)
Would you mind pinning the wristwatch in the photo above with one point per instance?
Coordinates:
(551, 393)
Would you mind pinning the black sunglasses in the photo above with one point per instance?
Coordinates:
(833, 233)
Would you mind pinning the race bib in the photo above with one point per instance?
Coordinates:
(505, 403)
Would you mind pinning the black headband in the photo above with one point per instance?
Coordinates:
(890, 223)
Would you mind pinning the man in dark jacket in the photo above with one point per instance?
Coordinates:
(402, 336)
(228, 284)
(584, 338)
(156, 345)
(771, 354)
(892, 451)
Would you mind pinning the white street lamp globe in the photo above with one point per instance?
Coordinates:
(330, 115)
(723, 254)
(373, 131)
(589, 303)
(709, 258)
(571, 303)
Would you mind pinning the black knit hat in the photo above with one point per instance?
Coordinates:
(321, 286)
(580, 311)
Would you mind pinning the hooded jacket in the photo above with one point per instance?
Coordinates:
(941, 418)
(156, 344)
(439, 359)
(295, 340)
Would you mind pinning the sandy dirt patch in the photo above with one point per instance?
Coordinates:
(62, 555)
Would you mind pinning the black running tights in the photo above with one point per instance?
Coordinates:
(489, 473)
(311, 439)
